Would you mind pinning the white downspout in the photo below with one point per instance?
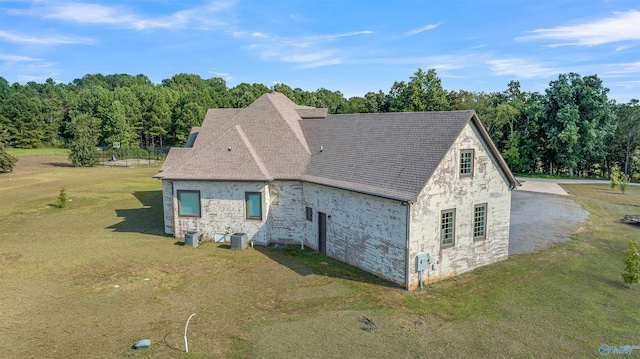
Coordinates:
(408, 238)
(173, 208)
(303, 202)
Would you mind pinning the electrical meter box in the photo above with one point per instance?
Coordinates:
(422, 261)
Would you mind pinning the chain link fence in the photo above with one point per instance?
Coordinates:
(132, 155)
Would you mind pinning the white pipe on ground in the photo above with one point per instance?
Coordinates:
(186, 345)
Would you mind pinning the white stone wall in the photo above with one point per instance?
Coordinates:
(222, 204)
(286, 212)
(365, 231)
(167, 204)
(447, 190)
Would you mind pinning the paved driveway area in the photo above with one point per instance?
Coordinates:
(542, 214)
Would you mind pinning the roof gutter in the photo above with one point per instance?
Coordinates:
(215, 180)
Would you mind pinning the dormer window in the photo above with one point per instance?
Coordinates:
(466, 163)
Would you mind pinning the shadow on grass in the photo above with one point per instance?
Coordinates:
(307, 262)
(59, 164)
(167, 344)
(147, 220)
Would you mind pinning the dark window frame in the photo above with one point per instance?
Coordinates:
(246, 205)
(178, 195)
(448, 223)
(309, 213)
(476, 223)
(466, 162)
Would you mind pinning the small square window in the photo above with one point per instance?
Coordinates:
(480, 221)
(189, 203)
(309, 213)
(466, 163)
(253, 201)
(447, 227)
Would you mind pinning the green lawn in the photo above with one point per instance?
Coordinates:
(90, 280)
(21, 152)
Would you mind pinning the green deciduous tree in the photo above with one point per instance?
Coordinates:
(614, 177)
(578, 122)
(375, 102)
(115, 127)
(628, 131)
(85, 131)
(423, 92)
(631, 273)
(244, 94)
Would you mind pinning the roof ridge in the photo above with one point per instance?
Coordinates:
(295, 128)
(253, 152)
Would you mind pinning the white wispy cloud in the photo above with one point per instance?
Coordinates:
(97, 14)
(617, 70)
(305, 51)
(628, 84)
(422, 29)
(622, 26)
(42, 40)
(456, 61)
(31, 70)
(17, 58)
(304, 59)
(337, 36)
(477, 47)
(522, 68)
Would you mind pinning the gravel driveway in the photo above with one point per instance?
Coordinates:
(542, 214)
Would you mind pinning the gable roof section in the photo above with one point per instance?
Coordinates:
(391, 155)
(388, 154)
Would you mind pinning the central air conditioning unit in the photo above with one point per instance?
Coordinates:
(191, 239)
(239, 240)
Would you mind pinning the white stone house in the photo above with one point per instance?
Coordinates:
(378, 191)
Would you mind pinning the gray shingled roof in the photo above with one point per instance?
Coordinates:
(391, 155)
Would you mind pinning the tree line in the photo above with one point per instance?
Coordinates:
(572, 128)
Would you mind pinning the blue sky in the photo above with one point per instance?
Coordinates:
(349, 46)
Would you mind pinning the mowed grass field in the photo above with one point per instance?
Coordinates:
(90, 280)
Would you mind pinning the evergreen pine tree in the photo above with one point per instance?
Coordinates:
(62, 198)
(7, 161)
